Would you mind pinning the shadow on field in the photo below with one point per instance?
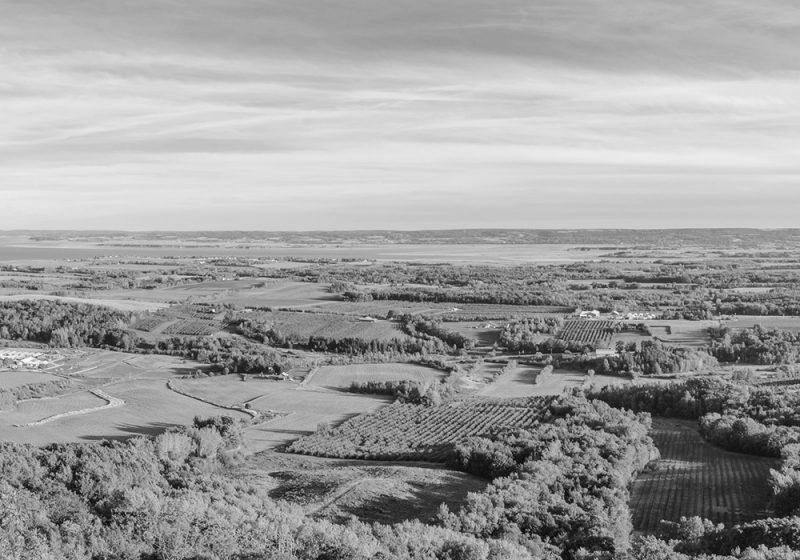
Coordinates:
(412, 499)
(151, 429)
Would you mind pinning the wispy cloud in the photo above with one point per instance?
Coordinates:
(371, 113)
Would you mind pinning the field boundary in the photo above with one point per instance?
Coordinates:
(111, 402)
(252, 413)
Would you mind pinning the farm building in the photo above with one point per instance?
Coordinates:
(640, 316)
(593, 314)
(603, 352)
(13, 359)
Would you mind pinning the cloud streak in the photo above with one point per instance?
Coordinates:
(371, 113)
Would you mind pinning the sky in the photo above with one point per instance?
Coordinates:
(399, 114)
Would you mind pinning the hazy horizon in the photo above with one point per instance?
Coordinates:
(378, 115)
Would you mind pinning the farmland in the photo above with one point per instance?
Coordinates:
(258, 340)
(589, 332)
(327, 325)
(408, 432)
(193, 327)
(12, 379)
(299, 410)
(341, 377)
(140, 381)
(695, 478)
(370, 490)
(521, 382)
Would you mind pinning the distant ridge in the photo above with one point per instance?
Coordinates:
(697, 237)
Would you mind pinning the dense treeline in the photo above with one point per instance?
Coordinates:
(733, 415)
(167, 498)
(9, 397)
(755, 346)
(407, 391)
(651, 358)
(427, 337)
(741, 418)
(68, 324)
(563, 481)
(62, 324)
(525, 335)
(559, 476)
(423, 327)
(689, 290)
(225, 354)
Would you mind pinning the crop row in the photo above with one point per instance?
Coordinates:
(587, 332)
(194, 327)
(411, 432)
(695, 478)
(149, 322)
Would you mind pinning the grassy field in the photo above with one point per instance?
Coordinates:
(13, 379)
(371, 491)
(139, 380)
(328, 325)
(484, 333)
(228, 390)
(340, 377)
(778, 322)
(681, 332)
(271, 293)
(302, 410)
(520, 383)
(695, 478)
(34, 410)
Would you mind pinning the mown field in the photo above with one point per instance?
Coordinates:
(695, 478)
(340, 377)
(301, 410)
(13, 379)
(749, 321)
(139, 380)
(681, 332)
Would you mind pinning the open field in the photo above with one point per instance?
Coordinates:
(484, 333)
(681, 332)
(695, 478)
(501, 254)
(283, 293)
(13, 379)
(372, 491)
(777, 322)
(340, 377)
(301, 410)
(138, 380)
(229, 390)
(36, 410)
(327, 325)
(520, 383)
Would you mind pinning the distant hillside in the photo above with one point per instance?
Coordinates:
(613, 238)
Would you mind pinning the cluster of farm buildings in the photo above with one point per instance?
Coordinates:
(23, 359)
(631, 316)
